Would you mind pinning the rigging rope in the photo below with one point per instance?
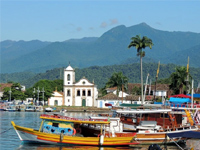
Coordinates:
(6, 130)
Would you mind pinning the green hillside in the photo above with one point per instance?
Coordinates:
(101, 74)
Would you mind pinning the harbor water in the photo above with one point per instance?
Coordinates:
(10, 141)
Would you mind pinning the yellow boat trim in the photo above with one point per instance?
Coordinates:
(76, 121)
(73, 139)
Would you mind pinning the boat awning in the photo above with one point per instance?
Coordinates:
(108, 104)
(179, 100)
(186, 134)
(181, 96)
(194, 95)
(143, 111)
(74, 120)
(130, 105)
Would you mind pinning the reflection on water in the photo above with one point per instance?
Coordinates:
(52, 147)
(10, 141)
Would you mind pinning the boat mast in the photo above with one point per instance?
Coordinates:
(156, 80)
(150, 87)
(146, 87)
(187, 80)
(192, 93)
(198, 87)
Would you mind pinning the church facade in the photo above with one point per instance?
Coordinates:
(81, 93)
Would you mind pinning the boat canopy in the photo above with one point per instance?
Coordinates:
(179, 100)
(181, 96)
(186, 134)
(143, 111)
(74, 120)
(194, 95)
(130, 105)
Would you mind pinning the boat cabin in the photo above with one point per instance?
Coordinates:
(57, 124)
(148, 127)
(164, 117)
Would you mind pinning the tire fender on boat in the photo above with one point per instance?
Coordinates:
(78, 130)
(74, 131)
(154, 147)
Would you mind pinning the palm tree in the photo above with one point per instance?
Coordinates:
(178, 80)
(141, 43)
(117, 80)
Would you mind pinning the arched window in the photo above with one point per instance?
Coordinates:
(89, 93)
(68, 92)
(83, 94)
(78, 93)
(68, 77)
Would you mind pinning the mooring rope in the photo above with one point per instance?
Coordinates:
(6, 130)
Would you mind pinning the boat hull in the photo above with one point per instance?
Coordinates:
(30, 110)
(162, 138)
(34, 136)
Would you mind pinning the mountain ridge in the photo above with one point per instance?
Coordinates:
(108, 49)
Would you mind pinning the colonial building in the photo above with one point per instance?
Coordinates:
(112, 98)
(56, 99)
(81, 93)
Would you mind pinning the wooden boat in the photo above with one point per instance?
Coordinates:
(147, 132)
(165, 117)
(2, 106)
(11, 108)
(156, 125)
(57, 129)
(39, 108)
(30, 108)
(48, 109)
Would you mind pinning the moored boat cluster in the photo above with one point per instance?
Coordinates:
(126, 127)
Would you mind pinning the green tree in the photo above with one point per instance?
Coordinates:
(141, 43)
(178, 80)
(102, 91)
(48, 85)
(117, 80)
(136, 90)
(16, 92)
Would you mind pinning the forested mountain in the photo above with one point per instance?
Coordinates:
(100, 75)
(11, 50)
(108, 49)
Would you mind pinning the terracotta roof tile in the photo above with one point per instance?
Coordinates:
(136, 97)
(109, 96)
(3, 85)
(112, 88)
(161, 87)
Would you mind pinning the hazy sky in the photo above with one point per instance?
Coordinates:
(60, 20)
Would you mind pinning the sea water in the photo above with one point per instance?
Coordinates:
(9, 139)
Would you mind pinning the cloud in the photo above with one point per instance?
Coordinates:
(158, 23)
(78, 29)
(91, 28)
(103, 25)
(113, 21)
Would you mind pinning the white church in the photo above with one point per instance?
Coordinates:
(81, 93)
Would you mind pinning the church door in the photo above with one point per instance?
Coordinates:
(56, 103)
(83, 102)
